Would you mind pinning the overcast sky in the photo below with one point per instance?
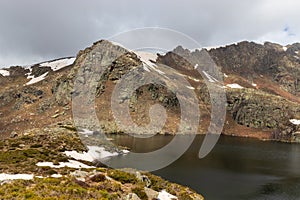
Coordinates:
(35, 30)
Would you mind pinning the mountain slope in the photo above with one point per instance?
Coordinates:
(261, 83)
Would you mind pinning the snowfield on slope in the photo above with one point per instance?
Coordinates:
(58, 64)
(164, 195)
(234, 86)
(71, 164)
(94, 153)
(55, 66)
(209, 77)
(5, 177)
(4, 72)
(36, 79)
(295, 121)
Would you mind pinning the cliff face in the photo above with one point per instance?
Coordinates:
(251, 61)
(261, 83)
(270, 75)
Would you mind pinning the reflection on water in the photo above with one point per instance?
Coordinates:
(237, 168)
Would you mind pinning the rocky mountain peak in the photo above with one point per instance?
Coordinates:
(253, 75)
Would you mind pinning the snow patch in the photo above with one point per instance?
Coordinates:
(80, 156)
(71, 164)
(94, 153)
(4, 72)
(235, 86)
(225, 75)
(189, 87)
(194, 79)
(146, 58)
(86, 132)
(284, 48)
(6, 177)
(37, 79)
(254, 84)
(213, 47)
(196, 66)
(209, 77)
(29, 76)
(295, 121)
(54, 65)
(164, 195)
(56, 176)
(159, 71)
(296, 52)
(146, 68)
(125, 151)
(58, 64)
(100, 153)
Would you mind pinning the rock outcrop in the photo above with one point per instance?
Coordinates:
(266, 100)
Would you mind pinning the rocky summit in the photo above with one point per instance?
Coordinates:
(261, 84)
(41, 141)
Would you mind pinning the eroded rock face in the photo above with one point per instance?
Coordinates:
(84, 68)
(263, 106)
(17, 71)
(251, 60)
(257, 109)
(38, 71)
(267, 99)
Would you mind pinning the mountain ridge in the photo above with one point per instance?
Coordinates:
(252, 73)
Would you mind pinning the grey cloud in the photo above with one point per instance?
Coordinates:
(35, 30)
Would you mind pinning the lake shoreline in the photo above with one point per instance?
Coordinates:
(259, 136)
(238, 168)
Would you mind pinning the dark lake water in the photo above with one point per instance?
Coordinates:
(236, 169)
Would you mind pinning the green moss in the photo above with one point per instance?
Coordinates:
(140, 192)
(17, 156)
(50, 171)
(52, 188)
(157, 183)
(108, 196)
(98, 178)
(62, 159)
(15, 144)
(41, 146)
(184, 195)
(122, 176)
(49, 146)
(29, 195)
(36, 146)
